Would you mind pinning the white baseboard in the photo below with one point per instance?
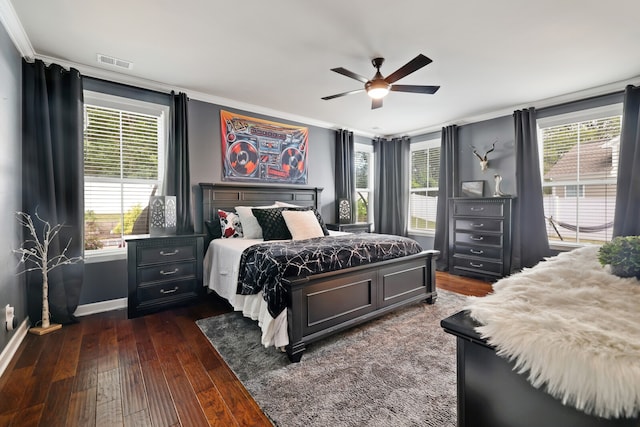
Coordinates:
(12, 347)
(99, 307)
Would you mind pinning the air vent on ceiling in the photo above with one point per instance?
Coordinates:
(114, 62)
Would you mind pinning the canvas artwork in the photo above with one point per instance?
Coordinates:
(263, 151)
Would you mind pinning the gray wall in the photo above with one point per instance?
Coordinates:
(12, 289)
(481, 135)
(108, 280)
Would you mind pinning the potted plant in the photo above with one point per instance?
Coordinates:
(622, 253)
(35, 251)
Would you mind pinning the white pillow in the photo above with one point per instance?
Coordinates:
(302, 224)
(250, 227)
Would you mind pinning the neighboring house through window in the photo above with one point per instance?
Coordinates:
(579, 171)
(423, 194)
(364, 183)
(124, 142)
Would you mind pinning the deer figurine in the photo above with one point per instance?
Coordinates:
(484, 161)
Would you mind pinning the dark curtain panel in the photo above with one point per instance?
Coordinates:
(446, 190)
(530, 243)
(177, 179)
(626, 221)
(391, 192)
(345, 169)
(53, 178)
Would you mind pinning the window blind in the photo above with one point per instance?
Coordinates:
(423, 201)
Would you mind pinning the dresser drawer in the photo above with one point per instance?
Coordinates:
(163, 272)
(166, 290)
(477, 265)
(478, 238)
(478, 209)
(479, 224)
(166, 254)
(479, 251)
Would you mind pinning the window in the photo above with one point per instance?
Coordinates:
(579, 171)
(423, 195)
(364, 182)
(124, 144)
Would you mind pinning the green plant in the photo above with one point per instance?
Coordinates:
(622, 253)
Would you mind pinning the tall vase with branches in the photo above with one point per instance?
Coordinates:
(34, 251)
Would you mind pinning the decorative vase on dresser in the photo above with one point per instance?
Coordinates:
(480, 237)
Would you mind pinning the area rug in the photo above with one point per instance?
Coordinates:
(399, 370)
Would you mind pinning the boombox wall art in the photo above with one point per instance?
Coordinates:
(261, 150)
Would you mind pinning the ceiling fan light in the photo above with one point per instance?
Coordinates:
(377, 89)
(378, 92)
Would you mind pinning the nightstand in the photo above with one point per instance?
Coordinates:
(358, 227)
(163, 271)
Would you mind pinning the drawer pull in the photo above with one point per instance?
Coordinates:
(169, 273)
(169, 291)
(480, 209)
(476, 265)
(476, 238)
(478, 225)
(473, 251)
(175, 252)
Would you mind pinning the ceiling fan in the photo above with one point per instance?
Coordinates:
(378, 87)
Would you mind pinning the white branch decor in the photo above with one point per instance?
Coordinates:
(36, 253)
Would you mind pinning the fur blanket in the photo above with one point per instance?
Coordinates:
(573, 327)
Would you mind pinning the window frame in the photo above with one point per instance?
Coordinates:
(418, 146)
(161, 111)
(365, 148)
(581, 115)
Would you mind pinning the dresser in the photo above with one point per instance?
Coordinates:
(358, 227)
(480, 237)
(163, 272)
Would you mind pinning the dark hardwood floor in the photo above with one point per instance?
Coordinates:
(156, 370)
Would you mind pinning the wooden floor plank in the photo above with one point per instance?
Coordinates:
(155, 370)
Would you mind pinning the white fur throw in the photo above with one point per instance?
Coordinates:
(574, 327)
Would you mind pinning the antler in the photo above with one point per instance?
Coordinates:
(476, 152)
(493, 147)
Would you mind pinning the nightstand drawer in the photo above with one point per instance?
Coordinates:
(478, 209)
(477, 265)
(479, 238)
(173, 271)
(166, 254)
(480, 224)
(479, 251)
(166, 290)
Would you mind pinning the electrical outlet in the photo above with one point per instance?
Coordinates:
(11, 322)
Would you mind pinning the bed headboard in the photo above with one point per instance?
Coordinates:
(227, 196)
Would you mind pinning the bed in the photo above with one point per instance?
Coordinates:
(557, 344)
(319, 304)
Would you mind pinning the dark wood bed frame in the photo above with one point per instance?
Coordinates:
(323, 304)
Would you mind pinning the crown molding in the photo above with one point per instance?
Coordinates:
(122, 78)
(542, 103)
(14, 28)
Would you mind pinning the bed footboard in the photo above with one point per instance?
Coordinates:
(323, 304)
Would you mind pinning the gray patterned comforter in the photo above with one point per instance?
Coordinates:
(262, 266)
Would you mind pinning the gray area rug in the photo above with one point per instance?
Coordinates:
(399, 370)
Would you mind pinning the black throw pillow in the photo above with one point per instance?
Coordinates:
(213, 228)
(273, 225)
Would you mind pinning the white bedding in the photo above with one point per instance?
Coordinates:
(220, 267)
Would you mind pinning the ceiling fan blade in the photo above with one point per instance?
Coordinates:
(376, 103)
(415, 89)
(351, 74)
(326, 98)
(414, 65)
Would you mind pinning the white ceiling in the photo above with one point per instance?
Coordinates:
(274, 57)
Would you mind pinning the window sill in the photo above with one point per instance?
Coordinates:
(427, 233)
(105, 256)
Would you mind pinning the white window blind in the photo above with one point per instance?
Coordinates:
(579, 173)
(364, 182)
(423, 194)
(122, 169)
